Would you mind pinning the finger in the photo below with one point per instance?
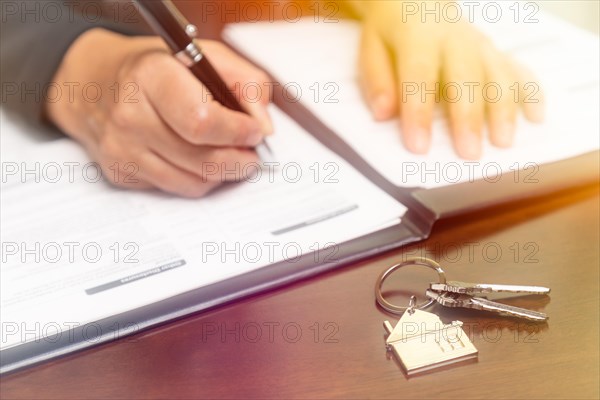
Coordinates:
(121, 173)
(171, 179)
(377, 76)
(418, 69)
(259, 111)
(463, 76)
(531, 95)
(119, 169)
(240, 75)
(187, 107)
(500, 103)
(218, 164)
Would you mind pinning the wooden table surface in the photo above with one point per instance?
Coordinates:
(323, 337)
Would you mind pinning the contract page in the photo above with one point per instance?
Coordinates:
(76, 249)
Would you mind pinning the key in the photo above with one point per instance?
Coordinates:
(450, 299)
(478, 288)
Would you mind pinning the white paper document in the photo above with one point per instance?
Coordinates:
(75, 249)
(317, 62)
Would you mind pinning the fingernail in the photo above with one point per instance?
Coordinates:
(504, 135)
(419, 141)
(469, 146)
(381, 106)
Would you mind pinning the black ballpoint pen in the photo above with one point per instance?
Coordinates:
(166, 20)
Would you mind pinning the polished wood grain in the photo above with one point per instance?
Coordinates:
(333, 342)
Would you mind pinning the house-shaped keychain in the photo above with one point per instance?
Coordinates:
(421, 342)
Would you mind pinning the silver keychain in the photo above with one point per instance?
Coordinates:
(421, 341)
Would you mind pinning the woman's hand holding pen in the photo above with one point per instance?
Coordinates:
(154, 115)
(403, 59)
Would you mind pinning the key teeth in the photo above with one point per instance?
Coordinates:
(450, 299)
(444, 298)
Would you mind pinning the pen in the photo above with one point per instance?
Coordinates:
(166, 20)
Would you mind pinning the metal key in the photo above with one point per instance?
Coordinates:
(479, 288)
(450, 299)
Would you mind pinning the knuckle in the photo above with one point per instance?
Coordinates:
(141, 67)
(109, 148)
(147, 62)
(123, 116)
(202, 123)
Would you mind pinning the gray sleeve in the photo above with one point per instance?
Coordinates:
(34, 36)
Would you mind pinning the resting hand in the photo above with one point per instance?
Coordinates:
(403, 64)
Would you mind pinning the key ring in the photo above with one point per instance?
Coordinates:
(426, 262)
